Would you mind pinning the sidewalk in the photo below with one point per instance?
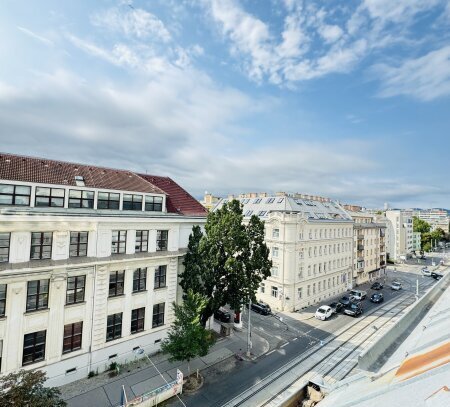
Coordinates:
(140, 377)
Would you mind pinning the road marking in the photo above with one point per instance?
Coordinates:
(282, 346)
(294, 339)
(273, 350)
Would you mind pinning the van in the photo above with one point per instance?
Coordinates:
(358, 295)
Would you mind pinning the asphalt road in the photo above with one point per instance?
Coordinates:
(231, 377)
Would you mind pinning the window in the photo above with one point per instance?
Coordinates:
(139, 279)
(160, 276)
(158, 315)
(137, 320)
(276, 233)
(81, 199)
(33, 347)
(299, 293)
(162, 237)
(41, 245)
(262, 288)
(49, 197)
(141, 244)
(308, 291)
(116, 282)
(78, 244)
(248, 213)
(72, 337)
(274, 291)
(274, 251)
(2, 299)
(119, 241)
(114, 327)
(108, 200)
(15, 195)
(4, 247)
(274, 271)
(262, 213)
(256, 201)
(280, 200)
(75, 289)
(37, 295)
(153, 203)
(132, 202)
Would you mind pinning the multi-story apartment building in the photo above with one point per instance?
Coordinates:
(400, 229)
(369, 247)
(417, 241)
(437, 218)
(89, 259)
(311, 245)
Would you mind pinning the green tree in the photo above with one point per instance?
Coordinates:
(194, 266)
(230, 261)
(420, 225)
(25, 388)
(187, 338)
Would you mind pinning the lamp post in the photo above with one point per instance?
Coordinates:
(249, 333)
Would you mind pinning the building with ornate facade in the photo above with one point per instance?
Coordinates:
(89, 259)
(311, 246)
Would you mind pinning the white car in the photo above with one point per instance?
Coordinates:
(396, 286)
(426, 272)
(324, 312)
(358, 295)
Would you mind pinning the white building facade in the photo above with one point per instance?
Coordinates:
(417, 241)
(89, 262)
(437, 218)
(400, 231)
(311, 246)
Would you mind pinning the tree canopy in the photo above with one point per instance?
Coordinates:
(25, 388)
(420, 225)
(228, 262)
(187, 338)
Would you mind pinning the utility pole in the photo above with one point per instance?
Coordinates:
(249, 333)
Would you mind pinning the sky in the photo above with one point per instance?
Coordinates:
(344, 99)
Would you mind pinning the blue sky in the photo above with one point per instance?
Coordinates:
(346, 99)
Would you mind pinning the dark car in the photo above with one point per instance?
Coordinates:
(345, 300)
(376, 286)
(261, 308)
(353, 309)
(336, 307)
(436, 276)
(377, 298)
(222, 315)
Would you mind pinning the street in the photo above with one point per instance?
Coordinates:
(288, 339)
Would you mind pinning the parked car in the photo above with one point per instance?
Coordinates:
(336, 307)
(436, 276)
(324, 312)
(353, 309)
(345, 300)
(358, 294)
(426, 272)
(377, 298)
(261, 308)
(376, 286)
(222, 315)
(396, 286)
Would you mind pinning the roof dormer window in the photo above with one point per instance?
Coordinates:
(79, 181)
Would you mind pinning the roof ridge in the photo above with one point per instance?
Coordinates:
(66, 162)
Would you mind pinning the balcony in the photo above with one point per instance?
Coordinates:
(359, 258)
(360, 247)
(360, 237)
(382, 263)
(360, 269)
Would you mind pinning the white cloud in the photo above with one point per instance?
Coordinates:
(289, 57)
(40, 38)
(133, 22)
(331, 33)
(424, 78)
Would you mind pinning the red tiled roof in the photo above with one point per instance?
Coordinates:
(40, 170)
(178, 199)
